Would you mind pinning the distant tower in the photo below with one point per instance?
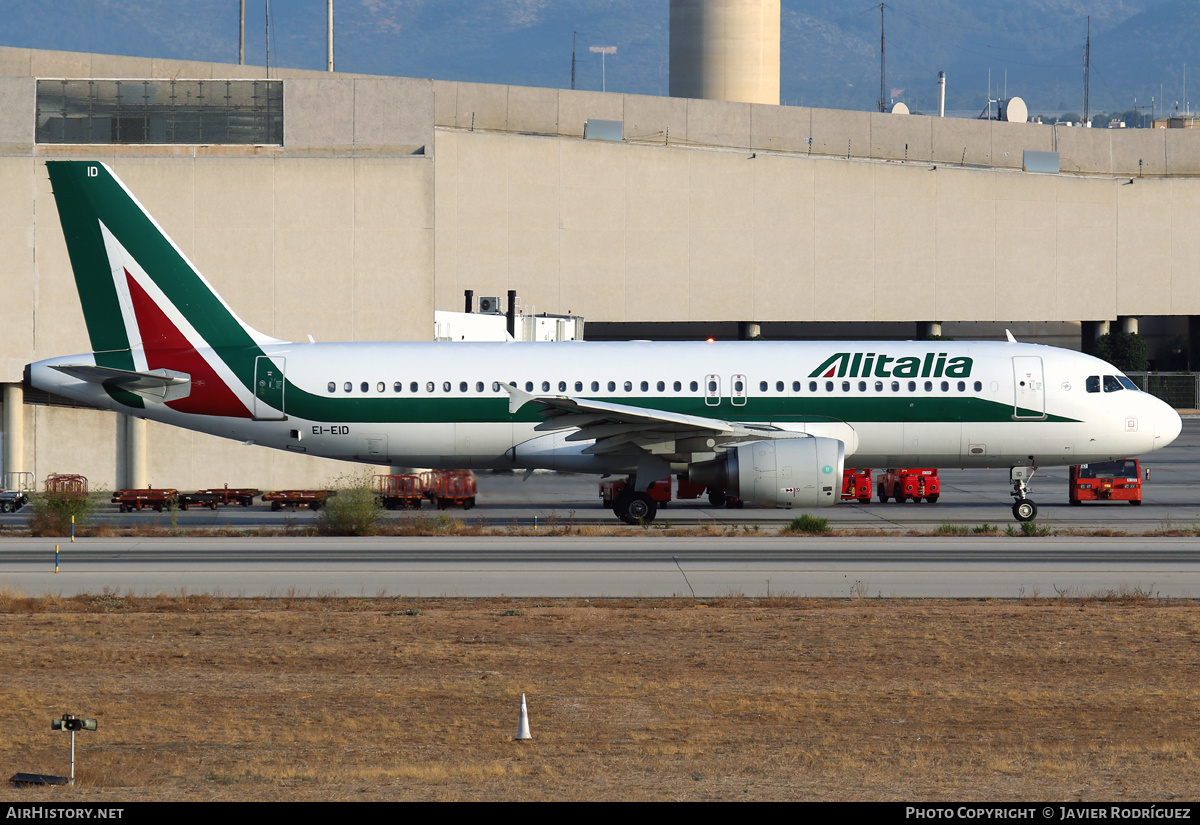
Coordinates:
(725, 50)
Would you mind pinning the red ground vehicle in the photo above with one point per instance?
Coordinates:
(451, 487)
(659, 490)
(141, 498)
(312, 499)
(231, 495)
(400, 492)
(856, 484)
(1119, 480)
(903, 484)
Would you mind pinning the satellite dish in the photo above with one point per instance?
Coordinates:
(898, 109)
(1014, 110)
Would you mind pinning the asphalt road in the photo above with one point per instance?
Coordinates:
(996, 566)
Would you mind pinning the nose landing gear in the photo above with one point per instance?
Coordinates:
(1024, 508)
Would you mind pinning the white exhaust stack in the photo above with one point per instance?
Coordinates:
(941, 94)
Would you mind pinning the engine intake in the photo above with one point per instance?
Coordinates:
(790, 472)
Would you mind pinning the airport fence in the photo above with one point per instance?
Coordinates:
(1179, 389)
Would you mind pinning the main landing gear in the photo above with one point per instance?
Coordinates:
(635, 508)
(1024, 509)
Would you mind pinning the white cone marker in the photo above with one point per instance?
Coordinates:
(523, 725)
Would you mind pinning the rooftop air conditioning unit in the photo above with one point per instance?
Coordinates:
(490, 306)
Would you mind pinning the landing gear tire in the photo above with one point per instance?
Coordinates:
(1024, 509)
(635, 508)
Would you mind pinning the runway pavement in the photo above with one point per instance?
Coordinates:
(886, 566)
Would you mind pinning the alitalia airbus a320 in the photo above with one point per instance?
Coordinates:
(771, 423)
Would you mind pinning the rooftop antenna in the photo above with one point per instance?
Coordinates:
(603, 50)
(242, 33)
(882, 44)
(329, 38)
(573, 60)
(1087, 68)
(267, 7)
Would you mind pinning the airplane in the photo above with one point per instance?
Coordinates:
(768, 422)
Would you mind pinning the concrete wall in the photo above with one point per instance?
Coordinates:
(621, 232)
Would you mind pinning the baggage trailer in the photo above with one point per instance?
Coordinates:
(400, 492)
(232, 495)
(204, 498)
(312, 499)
(454, 487)
(856, 484)
(14, 491)
(142, 498)
(903, 484)
(1119, 480)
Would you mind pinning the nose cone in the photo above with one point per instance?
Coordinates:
(1167, 425)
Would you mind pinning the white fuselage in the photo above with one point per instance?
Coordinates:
(440, 404)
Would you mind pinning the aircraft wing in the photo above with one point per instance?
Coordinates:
(626, 428)
(163, 385)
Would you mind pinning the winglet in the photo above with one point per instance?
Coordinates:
(1010, 337)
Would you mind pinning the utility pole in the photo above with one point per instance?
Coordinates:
(242, 34)
(882, 44)
(573, 34)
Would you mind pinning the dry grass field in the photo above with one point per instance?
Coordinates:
(200, 698)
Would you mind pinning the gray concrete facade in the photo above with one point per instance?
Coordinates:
(390, 196)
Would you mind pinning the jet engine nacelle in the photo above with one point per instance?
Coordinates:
(788, 472)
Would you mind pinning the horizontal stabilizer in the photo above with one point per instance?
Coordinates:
(160, 385)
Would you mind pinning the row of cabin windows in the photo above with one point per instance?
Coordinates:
(677, 386)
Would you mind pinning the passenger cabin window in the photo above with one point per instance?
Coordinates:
(595, 386)
(578, 386)
(645, 385)
(380, 387)
(693, 386)
(661, 386)
(612, 386)
(628, 386)
(398, 386)
(462, 386)
(528, 386)
(545, 386)
(428, 386)
(562, 386)
(812, 386)
(778, 386)
(762, 386)
(413, 386)
(678, 386)
(348, 387)
(332, 386)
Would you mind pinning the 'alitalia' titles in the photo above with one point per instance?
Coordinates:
(879, 365)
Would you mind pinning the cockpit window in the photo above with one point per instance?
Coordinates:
(1111, 384)
(1127, 384)
(1093, 383)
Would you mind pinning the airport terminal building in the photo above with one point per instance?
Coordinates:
(351, 207)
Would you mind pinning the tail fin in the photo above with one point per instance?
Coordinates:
(124, 262)
(146, 306)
